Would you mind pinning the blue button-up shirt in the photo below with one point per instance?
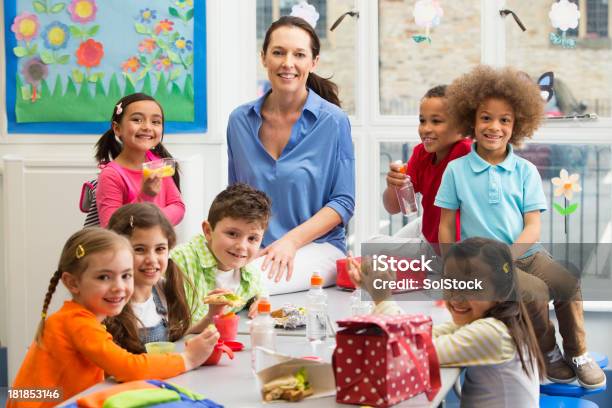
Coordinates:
(316, 168)
(492, 198)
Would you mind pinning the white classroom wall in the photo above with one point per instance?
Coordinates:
(40, 175)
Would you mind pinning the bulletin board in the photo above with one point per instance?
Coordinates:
(70, 61)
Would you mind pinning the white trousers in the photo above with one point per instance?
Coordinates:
(310, 258)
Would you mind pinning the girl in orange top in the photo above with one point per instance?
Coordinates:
(72, 349)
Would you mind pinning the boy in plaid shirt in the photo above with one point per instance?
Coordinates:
(217, 261)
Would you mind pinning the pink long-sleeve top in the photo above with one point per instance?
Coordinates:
(112, 193)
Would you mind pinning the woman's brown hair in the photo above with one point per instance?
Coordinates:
(124, 327)
(75, 259)
(509, 307)
(325, 88)
(108, 148)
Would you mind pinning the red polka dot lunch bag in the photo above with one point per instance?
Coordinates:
(381, 360)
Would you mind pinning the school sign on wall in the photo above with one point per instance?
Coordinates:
(69, 61)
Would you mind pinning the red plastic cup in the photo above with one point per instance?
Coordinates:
(227, 326)
(217, 352)
(342, 276)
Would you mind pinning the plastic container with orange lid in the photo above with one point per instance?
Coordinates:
(264, 306)
(316, 310)
(262, 330)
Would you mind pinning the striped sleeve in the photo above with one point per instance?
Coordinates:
(485, 341)
(387, 307)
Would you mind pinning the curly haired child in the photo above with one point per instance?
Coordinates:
(500, 196)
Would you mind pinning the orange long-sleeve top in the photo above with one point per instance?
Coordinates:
(76, 351)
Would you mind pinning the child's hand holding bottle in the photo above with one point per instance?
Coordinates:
(362, 275)
(396, 177)
(253, 308)
(199, 348)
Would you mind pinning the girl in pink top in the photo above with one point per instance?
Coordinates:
(135, 136)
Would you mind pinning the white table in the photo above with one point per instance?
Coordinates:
(232, 383)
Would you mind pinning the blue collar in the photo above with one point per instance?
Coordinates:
(478, 164)
(312, 105)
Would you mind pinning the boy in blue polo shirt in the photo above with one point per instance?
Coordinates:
(500, 196)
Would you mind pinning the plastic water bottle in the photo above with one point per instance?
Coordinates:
(316, 310)
(358, 305)
(262, 330)
(406, 196)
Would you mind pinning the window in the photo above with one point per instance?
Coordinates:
(597, 18)
(407, 68)
(583, 80)
(594, 22)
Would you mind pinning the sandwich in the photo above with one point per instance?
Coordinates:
(228, 299)
(288, 387)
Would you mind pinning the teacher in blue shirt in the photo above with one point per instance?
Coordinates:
(294, 143)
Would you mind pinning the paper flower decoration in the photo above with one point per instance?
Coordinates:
(147, 45)
(184, 3)
(566, 184)
(82, 11)
(563, 16)
(163, 63)
(164, 26)
(34, 71)
(183, 45)
(90, 53)
(427, 14)
(56, 36)
(131, 64)
(147, 15)
(25, 26)
(307, 12)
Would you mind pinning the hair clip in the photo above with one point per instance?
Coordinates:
(506, 267)
(43, 315)
(119, 109)
(80, 251)
(132, 221)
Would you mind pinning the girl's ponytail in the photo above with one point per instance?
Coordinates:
(325, 88)
(43, 316)
(179, 314)
(107, 147)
